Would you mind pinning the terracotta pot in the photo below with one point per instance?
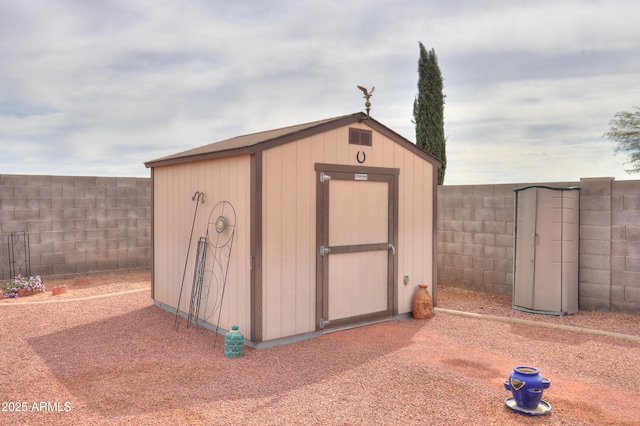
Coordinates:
(422, 303)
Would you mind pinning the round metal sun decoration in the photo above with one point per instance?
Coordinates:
(221, 223)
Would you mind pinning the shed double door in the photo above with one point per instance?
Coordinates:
(356, 219)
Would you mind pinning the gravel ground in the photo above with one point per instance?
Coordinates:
(97, 356)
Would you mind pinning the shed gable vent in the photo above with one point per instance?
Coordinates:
(360, 137)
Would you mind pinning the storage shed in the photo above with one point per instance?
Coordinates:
(332, 224)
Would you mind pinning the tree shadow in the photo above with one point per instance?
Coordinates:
(136, 362)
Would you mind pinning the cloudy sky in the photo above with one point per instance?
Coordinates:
(99, 87)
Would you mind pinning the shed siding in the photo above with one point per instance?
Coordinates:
(289, 246)
(224, 179)
(289, 236)
(415, 228)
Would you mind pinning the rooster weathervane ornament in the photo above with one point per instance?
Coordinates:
(367, 95)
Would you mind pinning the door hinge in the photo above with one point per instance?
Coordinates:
(324, 250)
(324, 323)
(324, 177)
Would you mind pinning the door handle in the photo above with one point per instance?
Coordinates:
(393, 249)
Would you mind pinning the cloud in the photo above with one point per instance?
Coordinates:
(101, 87)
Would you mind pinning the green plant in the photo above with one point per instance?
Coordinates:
(428, 109)
(11, 288)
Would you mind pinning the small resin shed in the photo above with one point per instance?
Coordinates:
(332, 225)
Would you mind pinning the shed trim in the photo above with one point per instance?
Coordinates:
(152, 223)
(255, 249)
(345, 168)
(199, 157)
(434, 242)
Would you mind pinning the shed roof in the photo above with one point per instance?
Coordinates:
(248, 144)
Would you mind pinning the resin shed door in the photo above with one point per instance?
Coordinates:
(546, 250)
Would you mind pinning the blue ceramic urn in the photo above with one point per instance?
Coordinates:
(233, 343)
(526, 386)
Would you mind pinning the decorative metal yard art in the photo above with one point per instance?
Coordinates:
(19, 254)
(526, 386)
(212, 264)
(367, 95)
(198, 197)
(198, 277)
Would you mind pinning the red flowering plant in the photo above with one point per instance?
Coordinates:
(20, 282)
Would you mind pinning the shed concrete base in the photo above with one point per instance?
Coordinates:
(282, 340)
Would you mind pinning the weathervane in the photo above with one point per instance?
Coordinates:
(367, 95)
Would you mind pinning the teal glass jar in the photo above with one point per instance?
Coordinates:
(233, 343)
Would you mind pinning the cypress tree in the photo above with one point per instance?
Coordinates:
(428, 109)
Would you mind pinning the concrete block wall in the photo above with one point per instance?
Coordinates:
(625, 246)
(595, 244)
(475, 240)
(475, 237)
(77, 225)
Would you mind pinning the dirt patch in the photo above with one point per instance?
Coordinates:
(106, 357)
